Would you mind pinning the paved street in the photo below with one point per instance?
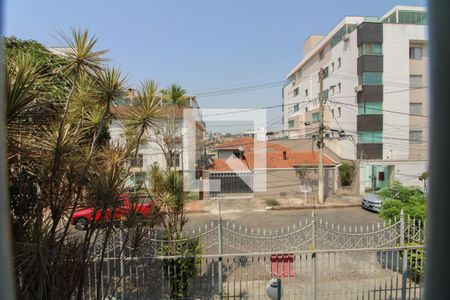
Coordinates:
(279, 218)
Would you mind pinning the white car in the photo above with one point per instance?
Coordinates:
(372, 201)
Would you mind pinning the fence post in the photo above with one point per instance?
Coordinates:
(314, 258)
(220, 257)
(405, 254)
(122, 267)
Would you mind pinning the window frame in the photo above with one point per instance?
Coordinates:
(364, 108)
(417, 104)
(371, 78)
(315, 117)
(415, 84)
(416, 140)
(370, 137)
(291, 123)
(412, 52)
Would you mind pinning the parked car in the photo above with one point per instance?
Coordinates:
(124, 208)
(372, 201)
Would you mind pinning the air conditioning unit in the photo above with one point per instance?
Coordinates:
(346, 37)
(358, 88)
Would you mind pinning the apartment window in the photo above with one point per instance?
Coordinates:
(415, 108)
(315, 117)
(332, 67)
(416, 53)
(332, 113)
(412, 17)
(331, 90)
(306, 92)
(306, 109)
(296, 91)
(370, 137)
(370, 108)
(325, 72)
(371, 78)
(339, 62)
(291, 123)
(415, 135)
(369, 48)
(176, 159)
(139, 162)
(321, 55)
(339, 112)
(295, 108)
(415, 81)
(339, 87)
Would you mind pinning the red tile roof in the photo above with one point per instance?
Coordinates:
(249, 144)
(274, 156)
(274, 160)
(228, 165)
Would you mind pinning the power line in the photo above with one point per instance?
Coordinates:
(382, 110)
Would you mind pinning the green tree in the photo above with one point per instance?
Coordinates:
(58, 110)
(397, 197)
(346, 173)
(170, 198)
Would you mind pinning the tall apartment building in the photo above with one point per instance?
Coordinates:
(375, 86)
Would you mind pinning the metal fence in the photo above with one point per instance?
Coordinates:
(230, 183)
(314, 259)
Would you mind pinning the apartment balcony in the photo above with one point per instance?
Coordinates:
(370, 93)
(370, 63)
(370, 151)
(369, 123)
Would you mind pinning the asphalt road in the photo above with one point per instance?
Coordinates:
(273, 219)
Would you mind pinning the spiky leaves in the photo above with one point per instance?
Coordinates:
(146, 115)
(79, 52)
(174, 95)
(23, 79)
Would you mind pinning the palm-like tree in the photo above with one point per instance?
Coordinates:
(146, 115)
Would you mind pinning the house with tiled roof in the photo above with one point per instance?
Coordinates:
(268, 169)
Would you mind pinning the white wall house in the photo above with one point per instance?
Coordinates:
(189, 120)
(377, 105)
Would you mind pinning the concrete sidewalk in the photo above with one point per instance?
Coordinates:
(247, 204)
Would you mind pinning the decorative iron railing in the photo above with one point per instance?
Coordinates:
(314, 259)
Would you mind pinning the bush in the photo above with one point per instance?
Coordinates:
(346, 173)
(271, 202)
(397, 197)
(180, 271)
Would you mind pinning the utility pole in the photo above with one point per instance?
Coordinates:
(320, 144)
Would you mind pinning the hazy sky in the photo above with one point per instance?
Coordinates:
(203, 45)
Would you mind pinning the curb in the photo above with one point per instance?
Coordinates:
(315, 207)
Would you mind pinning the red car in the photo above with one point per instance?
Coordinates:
(123, 209)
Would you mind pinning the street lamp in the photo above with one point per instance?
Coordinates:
(273, 288)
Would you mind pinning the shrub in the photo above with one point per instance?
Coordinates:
(397, 197)
(346, 173)
(271, 202)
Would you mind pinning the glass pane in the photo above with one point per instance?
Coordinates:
(415, 81)
(370, 137)
(415, 108)
(370, 108)
(372, 78)
(315, 117)
(377, 49)
(415, 135)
